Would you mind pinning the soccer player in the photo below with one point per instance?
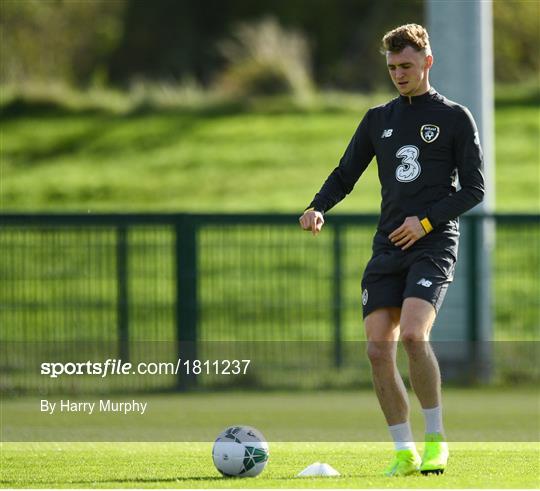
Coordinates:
(423, 144)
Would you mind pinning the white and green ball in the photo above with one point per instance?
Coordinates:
(240, 451)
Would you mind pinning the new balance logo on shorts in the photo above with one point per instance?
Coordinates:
(387, 133)
(424, 282)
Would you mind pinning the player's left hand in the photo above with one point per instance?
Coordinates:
(408, 233)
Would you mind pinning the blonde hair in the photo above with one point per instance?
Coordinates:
(413, 35)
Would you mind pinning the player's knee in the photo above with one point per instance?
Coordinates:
(380, 352)
(413, 339)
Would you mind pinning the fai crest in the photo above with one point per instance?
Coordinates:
(429, 132)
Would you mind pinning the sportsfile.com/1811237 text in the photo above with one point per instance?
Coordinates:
(118, 367)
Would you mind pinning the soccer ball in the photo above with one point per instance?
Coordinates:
(240, 451)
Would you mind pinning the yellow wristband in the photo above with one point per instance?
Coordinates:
(309, 209)
(426, 225)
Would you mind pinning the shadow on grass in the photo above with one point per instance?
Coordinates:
(22, 107)
(518, 97)
(136, 129)
(93, 139)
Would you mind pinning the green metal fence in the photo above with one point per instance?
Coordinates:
(185, 285)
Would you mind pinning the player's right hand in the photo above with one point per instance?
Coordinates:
(312, 220)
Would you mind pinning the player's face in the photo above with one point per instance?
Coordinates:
(409, 71)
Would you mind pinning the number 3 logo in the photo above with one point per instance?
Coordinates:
(409, 169)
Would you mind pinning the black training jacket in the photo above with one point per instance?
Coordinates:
(423, 144)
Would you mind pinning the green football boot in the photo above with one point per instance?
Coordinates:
(405, 463)
(435, 454)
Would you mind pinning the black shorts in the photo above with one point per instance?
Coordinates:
(392, 275)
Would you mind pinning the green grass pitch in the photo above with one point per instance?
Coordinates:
(263, 160)
(472, 416)
(189, 465)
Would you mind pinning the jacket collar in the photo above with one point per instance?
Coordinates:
(418, 99)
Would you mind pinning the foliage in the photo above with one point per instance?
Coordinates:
(58, 40)
(263, 58)
(343, 34)
(101, 41)
(517, 40)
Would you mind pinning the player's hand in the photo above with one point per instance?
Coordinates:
(312, 220)
(408, 233)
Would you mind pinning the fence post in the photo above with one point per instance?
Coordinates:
(479, 352)
(186, 296)
(472, 296)
(122, 306)
(472, 280)
(336, 296)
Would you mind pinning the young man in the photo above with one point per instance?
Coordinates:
(423, 143)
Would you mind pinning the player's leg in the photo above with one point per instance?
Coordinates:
(417, 317)
(383, 284)
(427, 283)
(382, 332)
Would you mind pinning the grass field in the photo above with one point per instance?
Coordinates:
(494, 441)
(297, 416)
(182, 465)
(272, 158)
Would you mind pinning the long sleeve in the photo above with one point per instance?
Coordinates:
(341, 181)
(469, 164)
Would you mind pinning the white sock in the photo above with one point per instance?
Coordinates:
(433, 419)
(402, 436)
